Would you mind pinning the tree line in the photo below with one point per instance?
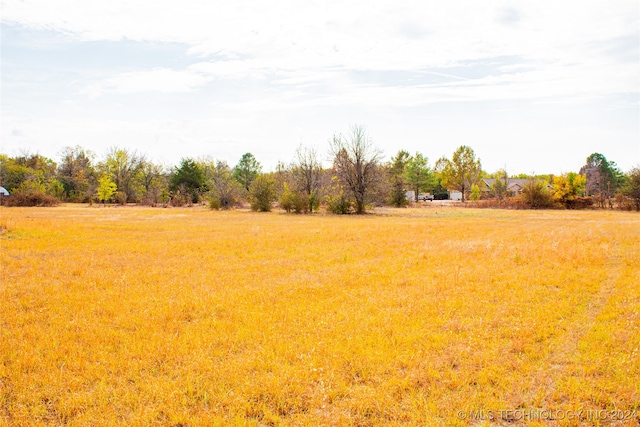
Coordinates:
(357, 179)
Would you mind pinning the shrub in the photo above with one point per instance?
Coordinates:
(296, 201)
(339, 204)
(121, 197)
(179, 199)
(30, 194)
(580, 203)
(300, 203)
(214, 203)
(314, 201)
(262, 192)
(475, 192)
(535, 195)
(286, 200)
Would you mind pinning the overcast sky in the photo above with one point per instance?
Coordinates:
(533, 86)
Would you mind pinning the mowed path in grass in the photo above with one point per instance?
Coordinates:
(188, 317)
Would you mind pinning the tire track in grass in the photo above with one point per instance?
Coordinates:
(543, 399)
(560, 362)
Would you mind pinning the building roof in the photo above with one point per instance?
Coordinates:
(511, 182)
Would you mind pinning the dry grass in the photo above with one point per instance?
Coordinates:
(187, 317)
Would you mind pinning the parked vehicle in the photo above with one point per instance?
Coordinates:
(424, 197)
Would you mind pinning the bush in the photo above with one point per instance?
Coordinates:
(262, 192)
(580, 203)
(535, 195)
(31, 200)
(300, 203)
(296, 201)
(121, 197)
(475, 192)
(30, 193)
(339, 204)
(625, 203)
(314, 201)
(179, 199)
(214, 203)
(286, 200)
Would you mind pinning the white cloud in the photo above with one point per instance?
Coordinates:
(161, 80)
(378, 35)
(252, 64)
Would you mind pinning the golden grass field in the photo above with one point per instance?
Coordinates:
(190, 317)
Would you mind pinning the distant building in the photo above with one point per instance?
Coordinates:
(455, 195)
(514, 185)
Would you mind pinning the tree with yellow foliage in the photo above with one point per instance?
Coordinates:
(568, 187)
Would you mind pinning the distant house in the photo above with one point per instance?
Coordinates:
(514, 185)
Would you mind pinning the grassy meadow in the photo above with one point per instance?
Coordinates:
(190, 317)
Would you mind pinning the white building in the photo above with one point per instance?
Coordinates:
(455, 195)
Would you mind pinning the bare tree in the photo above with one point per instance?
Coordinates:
(306, 171)
(225, 190)
(356, 163)
(76, 172)
(152, 181)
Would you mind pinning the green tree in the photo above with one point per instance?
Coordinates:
(461, 171)
(397, 183)
(419, 175)
(12, 174)
(189, 179)
(247, 170)
(106, 189)
(262, 193)
(603, 177)
(32, 174)
(356, 163)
